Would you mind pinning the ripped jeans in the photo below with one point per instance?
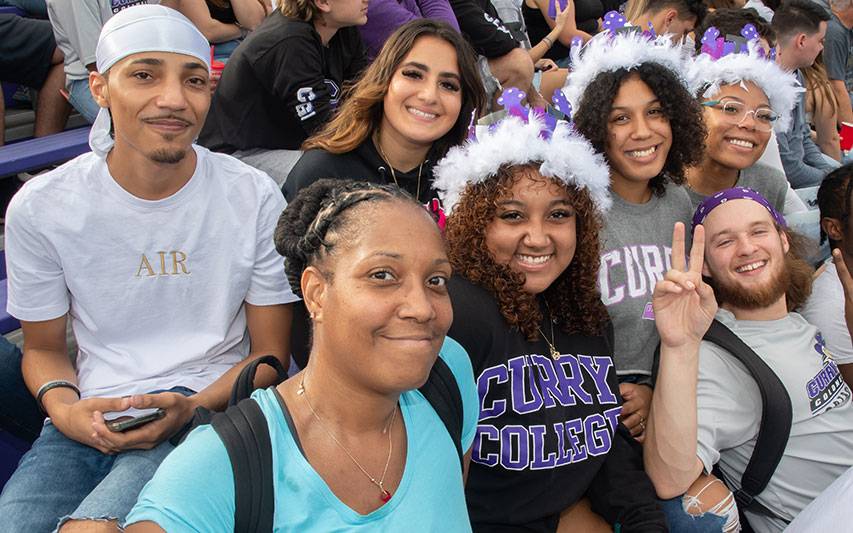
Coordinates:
(60, 479)
(722, 517)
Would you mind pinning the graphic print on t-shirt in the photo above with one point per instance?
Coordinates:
(530, 383)
(640, 265)
(118, 5)
(827, 389)
(164, 264)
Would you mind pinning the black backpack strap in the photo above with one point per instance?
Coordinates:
(242, 389)
(244, 385)
(245, 434)
(776, 418)
(442, 392)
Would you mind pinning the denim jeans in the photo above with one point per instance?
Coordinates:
(81, 98)
(19, 414)
(680, 521)
(60, 479)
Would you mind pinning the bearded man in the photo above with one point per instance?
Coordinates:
(707, 407)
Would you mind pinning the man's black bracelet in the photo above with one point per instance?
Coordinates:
(54, 385)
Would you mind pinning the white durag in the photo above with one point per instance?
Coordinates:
(142, 28)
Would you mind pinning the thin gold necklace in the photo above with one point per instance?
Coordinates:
(554, 353)
(384, 494)
(393, 174)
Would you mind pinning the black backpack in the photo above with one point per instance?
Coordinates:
(245, 434)
(775, 427)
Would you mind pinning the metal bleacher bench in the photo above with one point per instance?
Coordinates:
(38, 153)
(12, 10)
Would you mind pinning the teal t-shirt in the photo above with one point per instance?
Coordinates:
(193, 490)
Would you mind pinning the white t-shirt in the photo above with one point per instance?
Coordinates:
(825, 309)
(155, 289)
(820, 447)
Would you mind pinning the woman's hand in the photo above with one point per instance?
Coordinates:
(635, 409)
(563, 15)
(684, 305)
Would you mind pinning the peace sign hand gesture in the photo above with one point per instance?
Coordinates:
(684, 305)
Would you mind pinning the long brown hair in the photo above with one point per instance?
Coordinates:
(817, 81)
(360, 114)
(573, 298)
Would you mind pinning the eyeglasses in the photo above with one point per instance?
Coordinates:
(735, 112)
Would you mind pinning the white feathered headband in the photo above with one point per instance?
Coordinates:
(720, 64)
(621, 47)
(516, 140)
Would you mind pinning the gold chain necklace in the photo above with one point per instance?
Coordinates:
(551, 348)
(394, 174)
(384, 494)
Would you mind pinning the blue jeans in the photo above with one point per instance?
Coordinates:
(35, 7)
(19, 414)
(60, 479)
(222, 51)
(680, 521)
(81, 98)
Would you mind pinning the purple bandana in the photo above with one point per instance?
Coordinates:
(735, 193)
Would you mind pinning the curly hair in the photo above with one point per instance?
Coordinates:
(360, 114)
(681, 109)
(573, 298)
(322, 216)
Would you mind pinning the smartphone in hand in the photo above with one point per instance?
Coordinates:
(135, 422)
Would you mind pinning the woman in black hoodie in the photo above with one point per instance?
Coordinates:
(412, 104)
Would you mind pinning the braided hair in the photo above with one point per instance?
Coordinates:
(322, 209)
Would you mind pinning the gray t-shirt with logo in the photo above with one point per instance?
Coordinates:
(635, 253)
(820, 447)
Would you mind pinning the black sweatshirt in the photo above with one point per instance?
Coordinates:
(548, 432)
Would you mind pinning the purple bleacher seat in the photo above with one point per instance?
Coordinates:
(12, 10)
(38, 153)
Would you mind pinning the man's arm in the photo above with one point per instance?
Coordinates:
(269, 331)
(684, 307)
(671, 436)
(46, 359)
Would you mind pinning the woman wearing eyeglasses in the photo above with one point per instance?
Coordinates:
(744, 96)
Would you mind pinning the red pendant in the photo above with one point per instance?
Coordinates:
(385, 495)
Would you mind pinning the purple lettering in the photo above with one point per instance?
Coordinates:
(540, 461)
(598, 368)
(597, 434)
(485, 432)
(519, 367)
(518, 434)
(497, 407)
(572, 381)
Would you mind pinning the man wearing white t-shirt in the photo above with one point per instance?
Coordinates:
(825, 308)
(161, 254)
(706, 408)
